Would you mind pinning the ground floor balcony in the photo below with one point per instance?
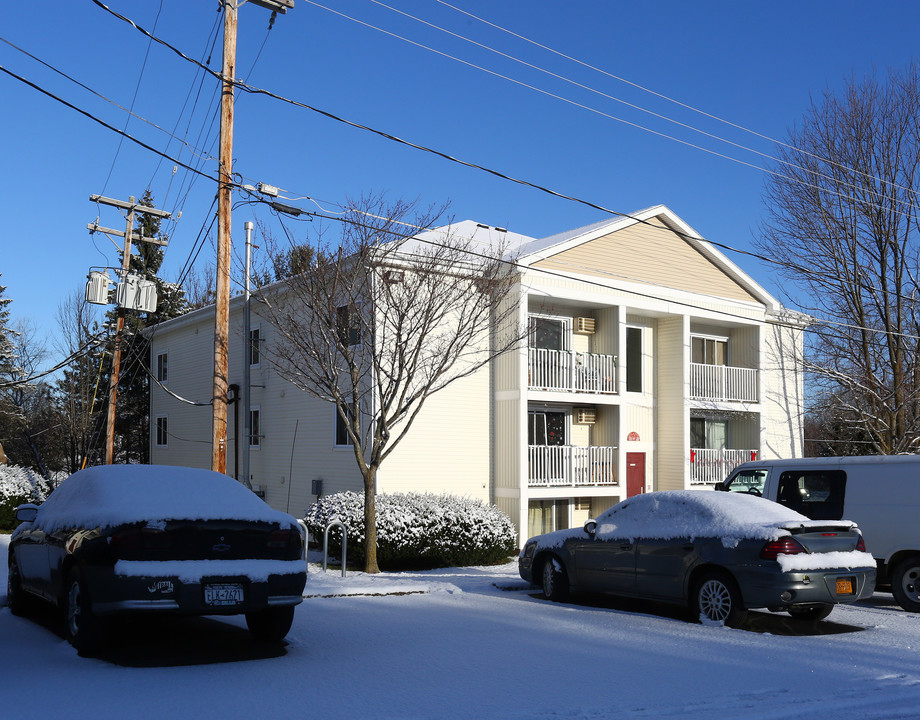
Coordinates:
(570, 466)
(568, 371)
(724, 383)
(708, 467)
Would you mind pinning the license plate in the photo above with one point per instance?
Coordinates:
(223, 594)
(844, 586)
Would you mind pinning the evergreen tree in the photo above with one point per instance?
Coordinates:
(9, 415)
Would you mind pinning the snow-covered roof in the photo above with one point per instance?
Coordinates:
(112, 495)
(484, 237)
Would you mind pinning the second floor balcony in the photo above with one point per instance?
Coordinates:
(568, 465)
(569, 371)
(707, 467)
(724, 383)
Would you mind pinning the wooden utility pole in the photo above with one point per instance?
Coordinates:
(131, 206)
(224, 200)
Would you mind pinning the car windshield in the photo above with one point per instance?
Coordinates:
(749, 481)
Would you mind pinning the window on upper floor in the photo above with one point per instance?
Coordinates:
(341, 431)
(348, 325)
(550, 333)
(162, 431)
(634, 380)
(708, 350)
(255, 348)
(162, 366)
(707, 434)
(255, 429)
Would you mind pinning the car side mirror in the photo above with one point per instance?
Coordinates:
(591, 527)
(27, 512)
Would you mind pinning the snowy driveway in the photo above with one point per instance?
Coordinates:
(472, 644)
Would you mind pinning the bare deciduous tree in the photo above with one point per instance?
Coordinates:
(842, 221)
(82, 397)
(381, 320)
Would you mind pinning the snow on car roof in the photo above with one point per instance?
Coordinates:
(111, 495)
(700, 513)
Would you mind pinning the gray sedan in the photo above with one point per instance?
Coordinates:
(720, 554)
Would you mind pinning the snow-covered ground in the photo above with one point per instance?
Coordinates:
(469, 643)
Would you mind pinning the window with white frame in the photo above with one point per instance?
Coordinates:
(162, 431)
(348, 325)
(549, 333)
(255, 349)
(634, 359)
(708, 350)
(708, 434)
(341, 430)
(255, 429)
(162, 366)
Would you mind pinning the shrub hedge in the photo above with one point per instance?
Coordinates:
(19, 485)
(416, 531)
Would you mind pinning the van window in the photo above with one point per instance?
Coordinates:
(817, 494)
(749, 481)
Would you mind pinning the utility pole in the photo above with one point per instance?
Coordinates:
(131, 206)
(224, 201)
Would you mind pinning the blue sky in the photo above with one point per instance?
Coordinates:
(754, 64)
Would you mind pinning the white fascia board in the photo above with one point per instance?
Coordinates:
(641, 296)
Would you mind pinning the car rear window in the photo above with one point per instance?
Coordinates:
(817, 494)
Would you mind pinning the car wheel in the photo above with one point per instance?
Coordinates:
(16, 598)
(555, 580)
(905, 583)
(717, 600)
(270, 625)
(84, 629)
(811, 613)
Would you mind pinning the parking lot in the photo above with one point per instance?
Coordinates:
(471, 643)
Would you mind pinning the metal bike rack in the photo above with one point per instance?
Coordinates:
(335, 523)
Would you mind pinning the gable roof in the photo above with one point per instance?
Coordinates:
(692, 264)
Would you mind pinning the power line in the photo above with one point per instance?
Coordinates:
(602, 113)
(665, 97)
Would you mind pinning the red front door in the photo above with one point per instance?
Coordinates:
(635, 473)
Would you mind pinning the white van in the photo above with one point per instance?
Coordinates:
(880, 493)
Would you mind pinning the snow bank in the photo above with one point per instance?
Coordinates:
(112, 495)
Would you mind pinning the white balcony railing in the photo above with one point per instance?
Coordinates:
(567, 465)
(721, 382)
(708, 467)
(569, 371)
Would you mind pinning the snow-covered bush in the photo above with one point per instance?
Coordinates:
(417, 530)
(19, 485)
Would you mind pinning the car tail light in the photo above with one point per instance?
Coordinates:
(289, 540)
(130, 541)
(861, 544)
(784, 546)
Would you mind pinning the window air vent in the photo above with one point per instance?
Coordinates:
(584, 325)
(585, 415)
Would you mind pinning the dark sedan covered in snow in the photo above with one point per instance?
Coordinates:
(717, 553)
(125, 539)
